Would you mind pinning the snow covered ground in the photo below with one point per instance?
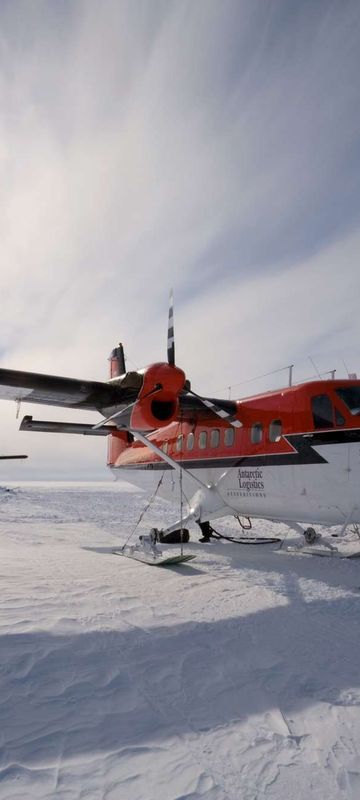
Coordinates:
(235, 677)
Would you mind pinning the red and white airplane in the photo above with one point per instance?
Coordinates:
(290, 456)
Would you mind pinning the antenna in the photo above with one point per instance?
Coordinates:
(315, 367)
(346, 368)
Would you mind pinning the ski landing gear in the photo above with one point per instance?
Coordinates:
(322, 546)
(149, 544)
(149, 553)
(314, 543)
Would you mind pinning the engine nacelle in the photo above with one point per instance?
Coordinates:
(158, 401)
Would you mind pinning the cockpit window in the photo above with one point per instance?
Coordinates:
(351, 397)
(339, 419)
(322, 411)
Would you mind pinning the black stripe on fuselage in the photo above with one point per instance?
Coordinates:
(303, 453)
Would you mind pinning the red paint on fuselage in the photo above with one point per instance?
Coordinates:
(291, 405)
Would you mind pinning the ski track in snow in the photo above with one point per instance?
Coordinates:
(235, 677)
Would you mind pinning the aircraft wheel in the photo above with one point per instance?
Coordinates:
(310, 535)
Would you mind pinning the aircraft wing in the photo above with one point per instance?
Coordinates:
(45, 426)
(53, 390)
(8, 457)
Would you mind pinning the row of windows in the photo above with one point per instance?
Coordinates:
(214, 440)
(275, 431)
(325, 415)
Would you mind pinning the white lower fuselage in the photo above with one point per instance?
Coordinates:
(323, 493)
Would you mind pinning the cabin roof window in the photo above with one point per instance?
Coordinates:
(202, 440)
(275, 430)
(190, 441)
(179, 443)
(322, 411)
(256, 433)
(229, 437)
(215, 437)
(351, 397)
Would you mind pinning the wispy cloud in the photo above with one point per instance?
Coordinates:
(209, 146)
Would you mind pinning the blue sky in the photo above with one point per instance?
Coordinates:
(208, 146)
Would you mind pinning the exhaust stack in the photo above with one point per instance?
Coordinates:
(117, 361)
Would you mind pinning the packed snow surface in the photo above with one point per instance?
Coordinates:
(233, 677)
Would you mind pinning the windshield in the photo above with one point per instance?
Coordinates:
(351, 398)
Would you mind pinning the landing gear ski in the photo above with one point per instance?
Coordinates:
(149, 552)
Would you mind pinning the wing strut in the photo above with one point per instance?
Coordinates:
(164, 457)
(125, 410)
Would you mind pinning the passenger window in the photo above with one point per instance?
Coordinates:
(256, 433)
(215, 438)
(322, 411)
(275, 429)
(190, 441)
(229, 437)
(179, 443)
(202, 440)
(164, 447)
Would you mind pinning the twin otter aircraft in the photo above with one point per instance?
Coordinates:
(290, 456)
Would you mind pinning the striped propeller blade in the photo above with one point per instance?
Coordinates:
(170, 337)
(231, 419)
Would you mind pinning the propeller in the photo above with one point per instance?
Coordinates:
(220, 411)
(168, 382)
(170, 336)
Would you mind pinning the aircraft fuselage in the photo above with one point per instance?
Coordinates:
(295, 458)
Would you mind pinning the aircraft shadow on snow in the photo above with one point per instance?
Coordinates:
(108, 690)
